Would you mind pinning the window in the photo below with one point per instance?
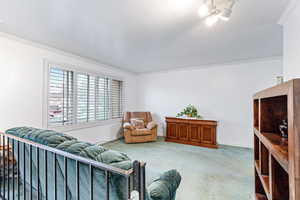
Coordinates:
(75, 97)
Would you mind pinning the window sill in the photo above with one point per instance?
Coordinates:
(68, 128)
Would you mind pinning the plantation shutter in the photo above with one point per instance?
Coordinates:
(102, 99)
(60, 97)
(116, 98)
(86, 98)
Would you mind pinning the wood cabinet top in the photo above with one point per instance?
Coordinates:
(191, 120)
(285, 88)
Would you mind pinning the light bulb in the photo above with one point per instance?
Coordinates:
(225, 14)
(203, 10)
(211, 20)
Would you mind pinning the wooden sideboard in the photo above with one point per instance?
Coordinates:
(192, 131)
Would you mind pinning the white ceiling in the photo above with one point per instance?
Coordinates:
(147, 35)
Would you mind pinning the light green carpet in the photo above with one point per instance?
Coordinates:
(207, 174)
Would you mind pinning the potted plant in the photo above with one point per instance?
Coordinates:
(189, 111)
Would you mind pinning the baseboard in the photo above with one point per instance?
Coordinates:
(110, 141)
(161, 138)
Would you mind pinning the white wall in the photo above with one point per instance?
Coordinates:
(223, 93)
(21, 86)
(291, 42)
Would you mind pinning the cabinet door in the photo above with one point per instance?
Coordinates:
(208, 135)
(183, 132)
(171, 131)
(195, 133)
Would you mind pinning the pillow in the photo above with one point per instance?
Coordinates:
(127, 125)
(137, 123)
(151, 125)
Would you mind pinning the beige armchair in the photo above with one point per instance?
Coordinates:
(133, 134)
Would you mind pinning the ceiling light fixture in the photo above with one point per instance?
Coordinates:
(212, 13)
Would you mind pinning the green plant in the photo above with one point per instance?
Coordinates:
(190, 111)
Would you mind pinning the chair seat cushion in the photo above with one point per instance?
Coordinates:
(140, 132)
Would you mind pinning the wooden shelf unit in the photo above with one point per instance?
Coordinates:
(277, 160)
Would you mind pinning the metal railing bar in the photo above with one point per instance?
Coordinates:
(13, 169)
(30, 171)
(2, 168)
(91, 182)
(3, 171)
(46, 174)
(77, 180)
(107, 176)
(143, 181)
(38, 172)
(66, 177)
(8, 169)
(55, 176)
(24, 171)
(128, 187)
(18, 169)
(96, 164)
(136, 176)
(1, 177)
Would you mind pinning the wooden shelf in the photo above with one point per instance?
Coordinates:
(276, 159)
(266, 183)
(277, 90)
(265, 180)
(276, 146)
(257, 165)
(261, 197)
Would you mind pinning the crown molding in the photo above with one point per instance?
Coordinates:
(216, 65)
(291, 6)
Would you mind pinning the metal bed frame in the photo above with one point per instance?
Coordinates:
(135, 177)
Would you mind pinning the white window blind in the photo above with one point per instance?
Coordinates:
(84, 98)
(60, 100)
(76, 97)
(103, 98)
(116, 98)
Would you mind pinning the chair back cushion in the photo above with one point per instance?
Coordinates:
(146, 116)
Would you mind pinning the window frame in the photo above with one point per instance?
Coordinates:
(76, 70)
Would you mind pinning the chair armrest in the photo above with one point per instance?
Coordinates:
(151, 125)
(164, 188)
(127, 125)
